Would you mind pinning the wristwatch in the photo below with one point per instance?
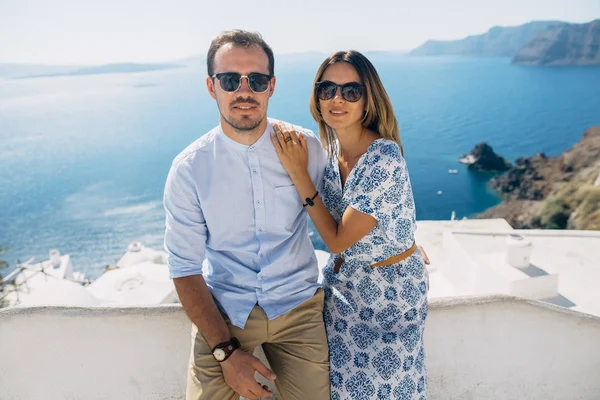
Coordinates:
(222, 351)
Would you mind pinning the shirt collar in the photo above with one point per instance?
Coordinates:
(242, 147)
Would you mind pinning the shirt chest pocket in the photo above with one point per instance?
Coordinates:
(287, 209)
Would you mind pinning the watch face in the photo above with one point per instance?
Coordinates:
(219, 354)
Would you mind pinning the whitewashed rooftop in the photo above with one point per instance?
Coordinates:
(470, 257)
(144, 283)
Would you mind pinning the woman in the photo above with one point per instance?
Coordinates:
(375, 281)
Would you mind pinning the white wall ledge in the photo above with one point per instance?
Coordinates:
(491, 347)
(565, 233)
(440, 303)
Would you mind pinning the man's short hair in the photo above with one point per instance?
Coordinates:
(238, 38)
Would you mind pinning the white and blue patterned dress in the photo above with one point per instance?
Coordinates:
(375, 316)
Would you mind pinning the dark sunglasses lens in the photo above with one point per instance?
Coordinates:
(259, 82)
(352, 92)
(230, 82)
(326, 90)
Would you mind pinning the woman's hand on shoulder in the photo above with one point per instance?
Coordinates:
(292, 149)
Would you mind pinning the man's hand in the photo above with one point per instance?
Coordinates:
(238, 371)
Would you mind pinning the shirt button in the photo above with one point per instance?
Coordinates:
(258, 201)
(251, 148)
(262, 255)
(254, 171)
(260, 277)
(260, 230)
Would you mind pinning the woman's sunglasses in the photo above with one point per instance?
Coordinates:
(351, 91)
(231, 81)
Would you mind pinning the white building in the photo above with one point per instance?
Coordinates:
(486, 257)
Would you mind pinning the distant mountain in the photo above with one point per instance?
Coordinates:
(13, 70)
(28, 71)
(192, 61)
(563, 44)
(123, 68)
(497, 42)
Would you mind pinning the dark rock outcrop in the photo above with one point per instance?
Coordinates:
(483, 158)
(562, 44)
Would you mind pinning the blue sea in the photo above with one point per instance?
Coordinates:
(83, 159)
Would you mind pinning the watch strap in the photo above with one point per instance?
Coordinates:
(228, 348)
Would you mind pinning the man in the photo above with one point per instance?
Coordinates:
(229, 200)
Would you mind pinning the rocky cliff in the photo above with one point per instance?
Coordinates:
(563, 44)
(553, 192)
(497, 42)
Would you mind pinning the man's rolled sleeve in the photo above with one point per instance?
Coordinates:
(185, 233)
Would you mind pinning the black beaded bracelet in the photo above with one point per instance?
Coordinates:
(309, 201)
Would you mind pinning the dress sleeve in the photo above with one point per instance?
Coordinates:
(383, 191)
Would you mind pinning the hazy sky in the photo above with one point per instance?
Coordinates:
(103, 31)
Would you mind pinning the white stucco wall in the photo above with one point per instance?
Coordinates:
(477, 348)
(490, 348)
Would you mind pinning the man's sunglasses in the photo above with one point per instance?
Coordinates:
(351, 91)
(231, 81)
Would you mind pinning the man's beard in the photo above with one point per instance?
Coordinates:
(245, 124)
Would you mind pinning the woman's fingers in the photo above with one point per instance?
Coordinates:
(302, 140)
(293, 135)
(288, 137)
(277, 138)
(282, 134)
(276, 144)
(278, 132)
(283, 137)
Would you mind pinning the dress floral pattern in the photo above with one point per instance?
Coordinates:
(375, 316)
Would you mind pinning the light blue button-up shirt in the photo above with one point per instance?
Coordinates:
(234, 216)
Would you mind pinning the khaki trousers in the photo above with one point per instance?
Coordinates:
(294, 343)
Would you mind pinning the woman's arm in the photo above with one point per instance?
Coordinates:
(354, 224)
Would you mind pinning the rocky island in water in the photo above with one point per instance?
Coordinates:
(483, 158)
